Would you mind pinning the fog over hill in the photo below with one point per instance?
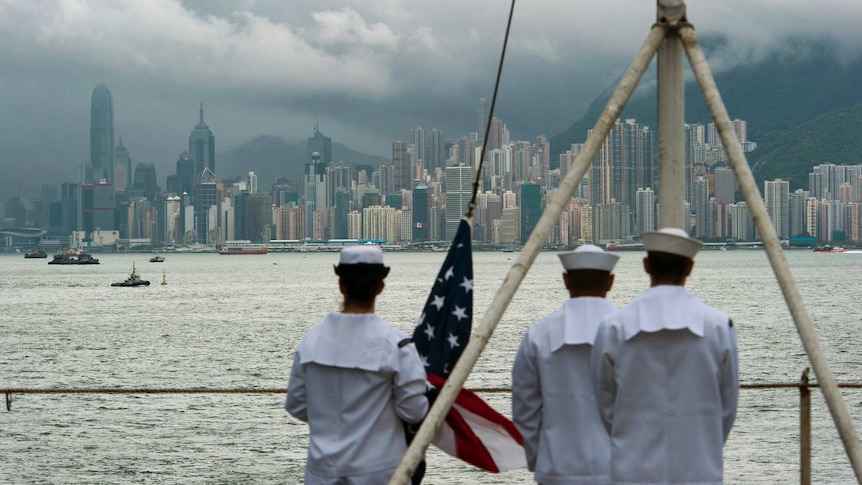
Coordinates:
(271, 157)
(785, 91)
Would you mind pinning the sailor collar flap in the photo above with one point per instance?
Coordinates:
(581, 318)
(350, 341)
(664, 307)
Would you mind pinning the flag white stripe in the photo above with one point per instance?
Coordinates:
(506, 452)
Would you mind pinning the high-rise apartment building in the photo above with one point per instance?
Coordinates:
(645, 215)
(776, 197)
(459, 191)
(202, 146)
(725, 185)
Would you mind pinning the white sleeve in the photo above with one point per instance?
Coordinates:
(527, 400)
(409, 385)
(729, 383)
(296, 403)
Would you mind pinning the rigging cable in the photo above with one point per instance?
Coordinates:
(472, 204)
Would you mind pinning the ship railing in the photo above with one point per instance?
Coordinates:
(804, 386)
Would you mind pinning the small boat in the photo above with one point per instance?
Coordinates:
(157, 259)
(828, 249)
(73, 256)
(39, 253)
(133, 280)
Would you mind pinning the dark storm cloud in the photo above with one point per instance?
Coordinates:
(369, 71)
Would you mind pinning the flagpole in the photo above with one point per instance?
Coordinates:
(551, 214)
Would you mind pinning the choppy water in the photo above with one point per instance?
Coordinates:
(226, 322)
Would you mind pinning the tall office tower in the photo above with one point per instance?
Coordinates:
(542, 158)
(97, 207)
(645, 210)
(206, 200)
(725, 185)
(251, 179)
(531, 209)
(522, 160)
(171, 209)
(741, 224)
(146, 184)
(797, 203)
(386, 179)
(202, 146)
(186, 176)
(776, 194)
(314, 183)
(421, 212)
(420, 146)
(258, 217)
(122, 168)
(101, 136)
(465, 151)
(459, 191)
(338, 177)
(495, 136)
(401, 163)
(342, 208)
(482, 113)
(701, 212)
(436, 145)
(321, 144)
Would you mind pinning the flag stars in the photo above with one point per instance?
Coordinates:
(460, 312)
(438, 302)
(467, 284)
(424, 359)
(449, 273)
(453, 341)
(429, 331)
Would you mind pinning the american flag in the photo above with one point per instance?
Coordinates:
(473, 431)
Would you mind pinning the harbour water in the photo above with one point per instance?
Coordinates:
(230, 322)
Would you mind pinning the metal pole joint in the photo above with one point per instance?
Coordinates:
(671, 13)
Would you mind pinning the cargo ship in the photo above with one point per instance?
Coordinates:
(73, 256)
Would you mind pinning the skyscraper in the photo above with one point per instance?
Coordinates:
(202, 146)
(101, 136)
(725, 185)
(531, 209)
(401, 162)
(321, 144)
(122, 167)
(459, 191)
(776, 197)
(482, 115)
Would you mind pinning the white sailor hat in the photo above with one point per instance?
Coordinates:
(364, 260)
(588, 256)
(671, 240)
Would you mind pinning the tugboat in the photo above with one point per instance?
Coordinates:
(157, 259)
(133, 280)
(73, 256)
(39, 253)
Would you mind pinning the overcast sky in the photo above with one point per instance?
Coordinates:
(369, 70)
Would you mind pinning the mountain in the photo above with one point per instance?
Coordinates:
(271, 157)
(775, 96)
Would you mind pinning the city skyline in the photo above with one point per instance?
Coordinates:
(366, 71)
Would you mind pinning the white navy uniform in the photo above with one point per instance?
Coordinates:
(354, 378)
(553, 402)
(665, 373)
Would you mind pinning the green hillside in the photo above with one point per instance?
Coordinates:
(831, 138)
(774, 96)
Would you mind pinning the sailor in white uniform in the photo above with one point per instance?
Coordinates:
(553, 403)
(666, 375)
(354, 379)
